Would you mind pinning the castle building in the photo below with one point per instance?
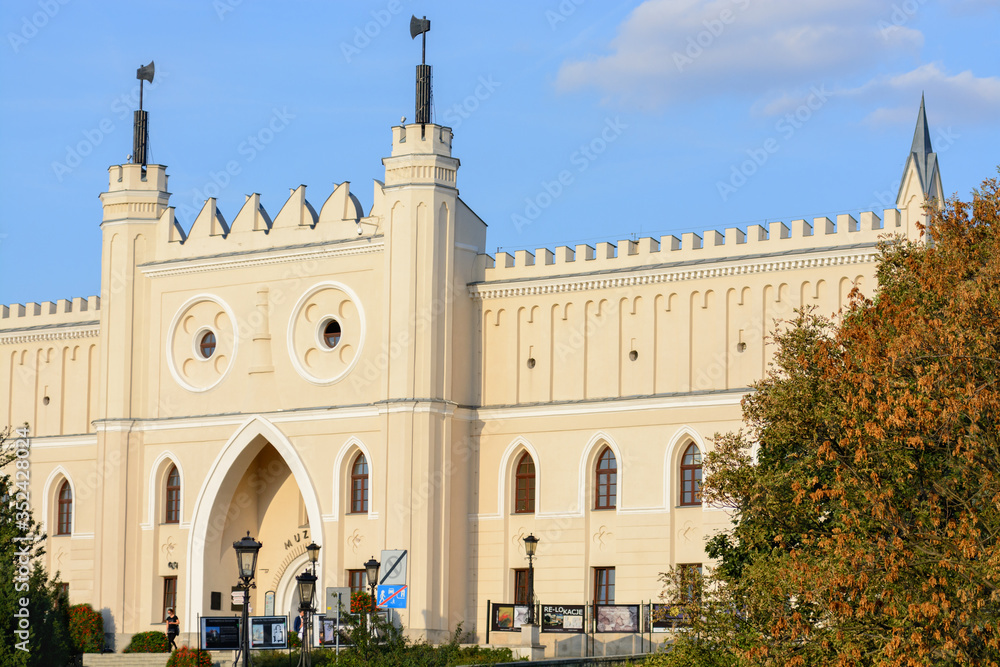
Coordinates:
(376, 381)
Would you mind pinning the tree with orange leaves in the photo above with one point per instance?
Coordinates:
(866, 488)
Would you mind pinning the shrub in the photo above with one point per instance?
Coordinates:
(148, 642)
(86, 627)
(189, 657)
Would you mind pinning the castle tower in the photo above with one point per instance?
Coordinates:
(921, 181)
(136, 201)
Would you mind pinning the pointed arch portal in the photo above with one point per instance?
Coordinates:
(257, 467)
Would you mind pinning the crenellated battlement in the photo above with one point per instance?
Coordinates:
(776, 237)
(252, 228)
(63, 311)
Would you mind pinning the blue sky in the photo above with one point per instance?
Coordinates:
(657, 117)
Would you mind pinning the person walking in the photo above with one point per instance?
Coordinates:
(173, 628)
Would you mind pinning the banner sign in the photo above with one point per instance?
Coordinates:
(267, 632)
(664, 619)
(221, 633)
(562, 618)
(508, 617)
(618, 618)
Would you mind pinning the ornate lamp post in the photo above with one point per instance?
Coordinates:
(246, 562)
(530, 545)
(372, 569)
(307, 603)
(307, 593)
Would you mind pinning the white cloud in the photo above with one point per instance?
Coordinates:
(676, 50)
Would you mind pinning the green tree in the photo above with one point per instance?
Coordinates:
(866, 525)
(34, 612)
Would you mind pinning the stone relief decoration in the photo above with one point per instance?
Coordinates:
(602, 537)
(355, 539)
(168, 548)
(326, 333)
(686, 532)
(201, 343)
(60, 557)
(518, 539)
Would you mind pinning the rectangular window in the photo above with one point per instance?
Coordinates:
(169, 595)
(690, 581)
(357, 580)
(604, 585)
(520, 587)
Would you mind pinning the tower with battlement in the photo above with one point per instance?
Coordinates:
(366, 377)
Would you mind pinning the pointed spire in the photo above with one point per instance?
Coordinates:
(921, 134)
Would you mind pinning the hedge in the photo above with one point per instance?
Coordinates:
(86, 627)
(153, 641)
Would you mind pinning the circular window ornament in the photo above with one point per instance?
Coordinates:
(326, 333)
(329, 333)
(202, 330)
(205, 344)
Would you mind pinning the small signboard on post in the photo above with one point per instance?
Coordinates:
(390, 597)
(338, 595)
(393, 567)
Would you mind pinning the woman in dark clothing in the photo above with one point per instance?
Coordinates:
(173, 627)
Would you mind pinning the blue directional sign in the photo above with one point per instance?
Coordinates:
(391, 597)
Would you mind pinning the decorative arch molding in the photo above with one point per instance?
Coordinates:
(672, 463)
(587, 463)
(284, 590)
(346, 455)
(55, 477)
(154, 487)
(508, 460)
(220, 469)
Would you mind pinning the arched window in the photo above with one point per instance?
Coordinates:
(607, 481)
(359, 485)
(524, 502)
(173, 505)
(691, 476)
(64, 524)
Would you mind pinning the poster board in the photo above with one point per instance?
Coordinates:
(617, 618)
(220, 633)
(325, 631)
(562, 617)
(663, 618)
(508, 617)
(268, 632)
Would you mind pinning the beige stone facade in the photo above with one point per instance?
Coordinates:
(448, 366)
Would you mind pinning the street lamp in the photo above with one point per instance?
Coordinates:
(307, 597)
(313, 551)
(530, 545)
(246, 562)
(372, 569)
(307, 594)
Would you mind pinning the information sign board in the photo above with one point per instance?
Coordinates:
(508, 617)
(267, 632)
(618, 618)
(562, 618)
(220, 633)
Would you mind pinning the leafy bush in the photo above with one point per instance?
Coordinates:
(148, 642)
(191, 657)
(86, 627)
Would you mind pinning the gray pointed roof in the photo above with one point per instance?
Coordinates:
(922, 156)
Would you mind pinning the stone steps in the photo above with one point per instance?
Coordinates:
(144, 659)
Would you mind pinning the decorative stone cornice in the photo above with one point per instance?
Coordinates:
(260, 257)
(658, 274)
(36, 334)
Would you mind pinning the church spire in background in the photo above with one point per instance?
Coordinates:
(923, 160)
